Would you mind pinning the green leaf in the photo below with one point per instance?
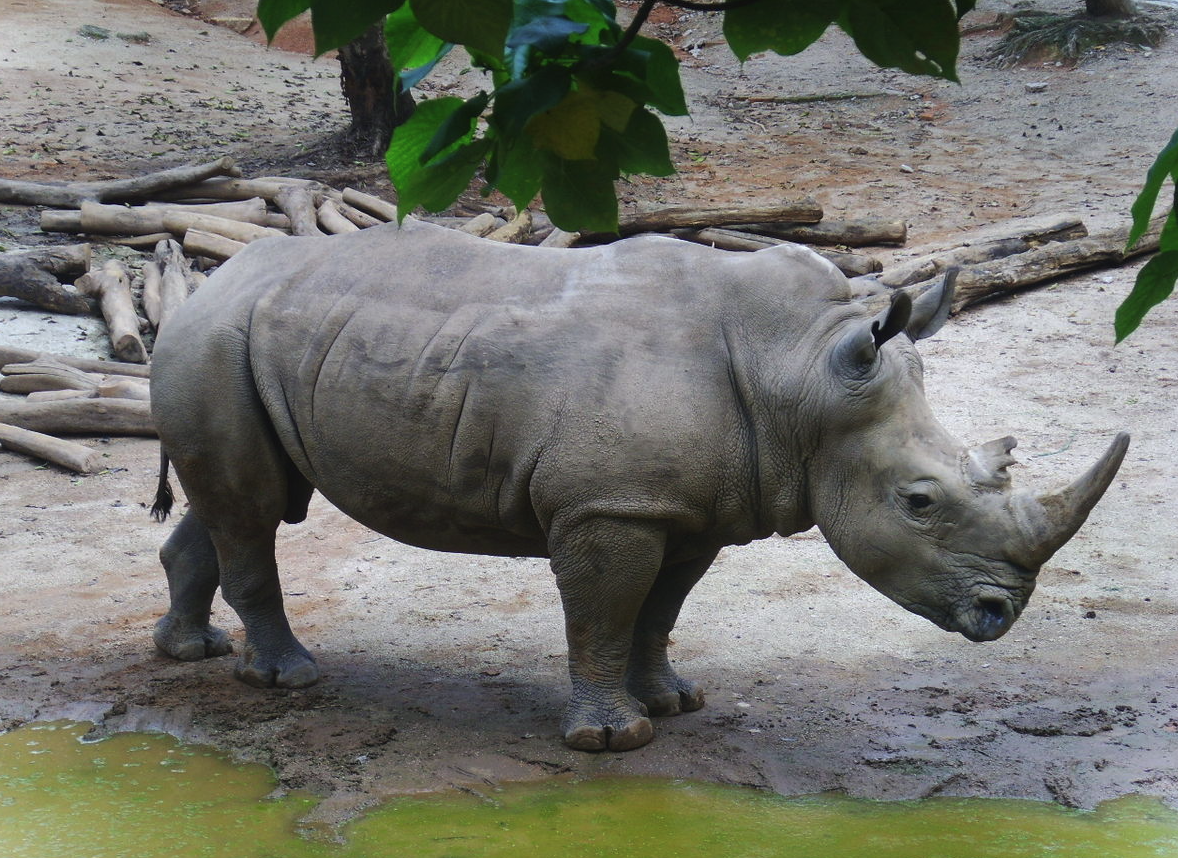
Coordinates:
(478, 24)
(579, 195)
(784, 27)
(516, 169)
(918, 36)
(1155, 282)
(409, 44)
(274, 13)
(459, 125)
(1168, 240)
(520, 100)
(1166, 164)
(640, 148)
(571, 129)
(662, 77)
(436, 185)
(335, 23)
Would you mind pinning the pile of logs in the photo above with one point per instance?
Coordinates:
(187, 220)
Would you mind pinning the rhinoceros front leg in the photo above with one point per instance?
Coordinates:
(650, 676)
(604, 569)
(190, 562)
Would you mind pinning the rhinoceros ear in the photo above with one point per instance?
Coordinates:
(931, 309)
(857, 351)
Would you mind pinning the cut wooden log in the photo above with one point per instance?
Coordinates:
(68, 454)
(80, 416)
(804, 210)
(57, 395)
(200, 243)
(98, 219)
(136, 241)
(32, 276)
(849, 233)
(111, 285)
(46, 374)
(125, 388)
(1056, 259)
(140, 187)
(985, 244)
(559, 238)
(851, 264)
(226, 189)
(372, 205)
(515, 230)
(176, 280)
(179, 222)
(11, 354)
(332, 220)
(152, 276)
(361, 219)
(480, 224)
(298, 202)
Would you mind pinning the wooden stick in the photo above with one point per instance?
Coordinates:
(178, 223)
(200, 243)
(112, 287)
(136, 241)
(152, 276)
(227, 189)
(80, 416)
(32, 276)
(370, 204)
(361, 219)
(514, 231)
(1053, 260)
(985, 244)
(298, 203)
(559, 238)
(480, 224)
(175, 280)
(74, 194)
(851, 264)
(332, 219)
(10, 354)
(98, 219)
(805, 210)
(46, 374)
(850, 233)
(67, 454)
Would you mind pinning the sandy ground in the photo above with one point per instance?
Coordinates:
(445, 669)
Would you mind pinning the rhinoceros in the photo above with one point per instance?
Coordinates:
(626, 411)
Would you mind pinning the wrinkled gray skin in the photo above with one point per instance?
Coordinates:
(626, 411)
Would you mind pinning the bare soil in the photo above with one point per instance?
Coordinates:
(449, 670)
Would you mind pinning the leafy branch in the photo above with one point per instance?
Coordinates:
(572, 100)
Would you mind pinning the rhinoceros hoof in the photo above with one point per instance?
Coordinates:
(687, 699)
(187, 641)
(289, 670)
(620, 727)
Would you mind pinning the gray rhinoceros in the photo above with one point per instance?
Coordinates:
(626, 411)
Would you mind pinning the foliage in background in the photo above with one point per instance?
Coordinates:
(1155, 281)
(572, 100)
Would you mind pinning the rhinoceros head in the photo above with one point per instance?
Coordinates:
(933, 525)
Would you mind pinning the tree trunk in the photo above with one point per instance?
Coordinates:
(367, 81)
(1110, 8)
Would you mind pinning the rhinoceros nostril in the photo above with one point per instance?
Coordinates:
(993, 611)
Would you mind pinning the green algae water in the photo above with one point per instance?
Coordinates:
(142, 795)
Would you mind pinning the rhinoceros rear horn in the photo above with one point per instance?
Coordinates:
(859, 347)
(931, 309)
(1050, 519)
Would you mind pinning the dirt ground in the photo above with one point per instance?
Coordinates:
(449, 670)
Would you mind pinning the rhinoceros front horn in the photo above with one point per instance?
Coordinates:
(1050, 519)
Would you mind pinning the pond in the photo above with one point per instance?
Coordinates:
(146, 795)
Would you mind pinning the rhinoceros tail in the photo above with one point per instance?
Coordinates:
(164, 496)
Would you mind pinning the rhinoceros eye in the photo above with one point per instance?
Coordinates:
(919, 501)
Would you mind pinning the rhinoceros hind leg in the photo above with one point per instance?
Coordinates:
(604, 569)
(649, 676)
(190, 562)
(292, 669)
